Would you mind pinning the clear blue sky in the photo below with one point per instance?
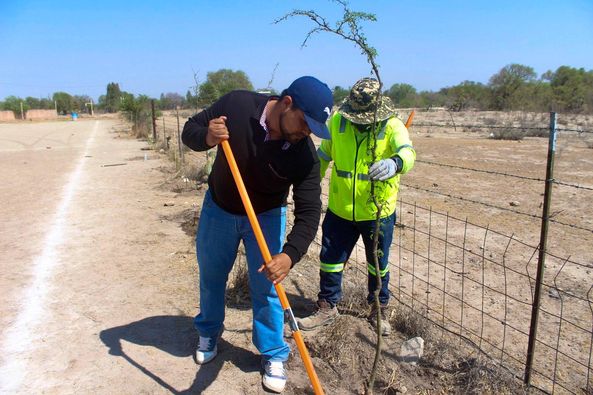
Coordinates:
(151, 47)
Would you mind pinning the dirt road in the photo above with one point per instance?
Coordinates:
(98, 284)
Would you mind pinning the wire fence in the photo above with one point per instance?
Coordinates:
(477, 282)
(167, 136)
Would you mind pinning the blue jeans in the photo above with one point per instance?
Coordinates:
(217, 240)
(338, 239)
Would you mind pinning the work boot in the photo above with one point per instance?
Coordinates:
(385, 325)
(325, 315)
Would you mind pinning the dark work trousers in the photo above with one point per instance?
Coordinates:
(338, 239)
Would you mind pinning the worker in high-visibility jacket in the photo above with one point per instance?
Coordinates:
(351, 212)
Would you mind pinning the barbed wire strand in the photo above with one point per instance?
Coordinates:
(436, 125)
(574, 130)
(515, 239)
(470, 126)
(503, 174)
(496, 207)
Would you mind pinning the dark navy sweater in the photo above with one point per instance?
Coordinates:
(267, 169)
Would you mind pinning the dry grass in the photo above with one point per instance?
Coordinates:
(237, 294)
(482, 376)
(355, 301)
(333, 345)
(193, 171)
(411, 324)
(507, 134)
(161, 145)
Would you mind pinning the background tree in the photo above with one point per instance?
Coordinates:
(191, 100)
(221, 82)
(137, 110)
(572, 89)
(429, 99)
(340, 94)
(41, 104)
(111, 101)
(65, 103)
(170, 100)
(466, 95)
(547, 76)
(507, 82)
(79, 103)
(533, 96)
(13, 103)
(402, 95)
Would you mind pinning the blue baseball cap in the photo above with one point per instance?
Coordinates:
(315, 99)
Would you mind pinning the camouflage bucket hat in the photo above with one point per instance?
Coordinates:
(359, 106)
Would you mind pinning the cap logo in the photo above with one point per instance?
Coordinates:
(327, 111)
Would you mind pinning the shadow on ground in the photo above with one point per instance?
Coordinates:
(176, 336)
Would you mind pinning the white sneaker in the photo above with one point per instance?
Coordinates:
(207, 348)
(274, 377)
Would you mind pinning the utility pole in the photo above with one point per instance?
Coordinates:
(22, 113)
(91, 104)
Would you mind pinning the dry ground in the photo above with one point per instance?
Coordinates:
(99, 282)
(464, 141)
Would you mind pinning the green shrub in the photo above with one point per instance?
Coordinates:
(137, 110)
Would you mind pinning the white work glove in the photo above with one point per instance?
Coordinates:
(382, 170)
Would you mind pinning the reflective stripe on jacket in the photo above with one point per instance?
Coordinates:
(350, 187)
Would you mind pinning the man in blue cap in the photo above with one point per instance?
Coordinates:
(269, 137)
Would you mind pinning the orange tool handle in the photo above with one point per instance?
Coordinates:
(410, 117)
(263, 246)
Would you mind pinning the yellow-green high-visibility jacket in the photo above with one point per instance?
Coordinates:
(350, 186)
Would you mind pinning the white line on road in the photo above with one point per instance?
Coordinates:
(18, 338)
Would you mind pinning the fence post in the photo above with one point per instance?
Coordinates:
(542, 249)
(153, 121)
(165, 133)
(179, 136)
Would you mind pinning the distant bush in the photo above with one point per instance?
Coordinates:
(507, 134)
(137, 110)
(492, 121)
(536, 133)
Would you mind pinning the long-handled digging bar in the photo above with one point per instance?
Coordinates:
(263, 246)
(410, 118)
